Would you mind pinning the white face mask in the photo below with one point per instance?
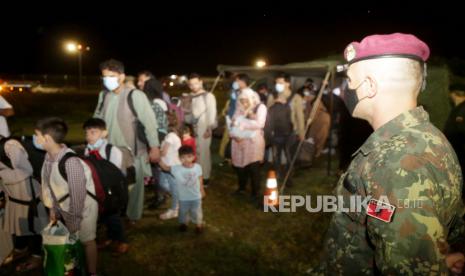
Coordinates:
(97, 144)
(235, 85)
(111, 83)
(279, 87)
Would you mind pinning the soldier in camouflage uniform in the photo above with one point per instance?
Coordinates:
(406, 163)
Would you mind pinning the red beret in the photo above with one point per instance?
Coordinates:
(379, 46)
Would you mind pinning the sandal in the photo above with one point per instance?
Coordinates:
(33, 263)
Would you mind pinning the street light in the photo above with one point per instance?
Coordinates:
(73, 47)
(260, 63)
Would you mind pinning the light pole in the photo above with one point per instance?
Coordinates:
(73, 47)
(260, 63)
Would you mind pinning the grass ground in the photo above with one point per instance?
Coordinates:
(239, 238)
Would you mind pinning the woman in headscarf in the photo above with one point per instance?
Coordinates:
(248, 143)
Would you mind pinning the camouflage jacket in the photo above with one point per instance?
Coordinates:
(410, 164)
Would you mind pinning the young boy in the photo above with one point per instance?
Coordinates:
(96, 133)
(68, 200)
(189, 183)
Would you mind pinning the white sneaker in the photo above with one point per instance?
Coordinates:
(169, 214)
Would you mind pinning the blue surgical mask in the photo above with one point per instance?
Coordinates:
(97, 144)
(36, 145)
(235, 85)
(111, 83)
(279, 87)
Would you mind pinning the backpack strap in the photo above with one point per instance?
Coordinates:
(289, 100)
(102, 104)
(32, 210)
(108, 151)
(131, 103)
(62, 164)
(62, 170)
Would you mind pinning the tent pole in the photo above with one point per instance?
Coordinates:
(331, 113)
(309, 122)
(217, 80)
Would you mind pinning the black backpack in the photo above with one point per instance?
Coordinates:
(35, 156)
(111, 187)
(278, 122)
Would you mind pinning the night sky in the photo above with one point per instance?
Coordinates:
(179, 38)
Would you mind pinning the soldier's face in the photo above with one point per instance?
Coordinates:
(358, 83)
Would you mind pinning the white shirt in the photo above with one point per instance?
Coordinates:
(171, 158)
(4, 130)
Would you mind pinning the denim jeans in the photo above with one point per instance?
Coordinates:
(190, 209)
(168, 183)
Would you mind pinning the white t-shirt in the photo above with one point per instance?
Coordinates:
(4, 130)
(172, 156)
(187, 181)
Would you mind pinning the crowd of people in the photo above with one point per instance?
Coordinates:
(140, 136)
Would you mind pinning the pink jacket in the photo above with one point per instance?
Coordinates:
(249, 150)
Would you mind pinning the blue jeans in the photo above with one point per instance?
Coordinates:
(168, 184)
(190, 209)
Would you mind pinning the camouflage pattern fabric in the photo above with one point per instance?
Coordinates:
(411, 164)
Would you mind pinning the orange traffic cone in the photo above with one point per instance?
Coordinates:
(271, 191)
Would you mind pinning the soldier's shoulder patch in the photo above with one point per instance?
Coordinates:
(380, 210)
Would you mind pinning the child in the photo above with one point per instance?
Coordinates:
(96, 133)
(188, 138)
(25, 215)
(170, 157)
(68, 199)
(189, 183)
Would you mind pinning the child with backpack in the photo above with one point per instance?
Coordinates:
(24, 213)
(170, 157)
(70, 198)
(98, 147)
(190, 189)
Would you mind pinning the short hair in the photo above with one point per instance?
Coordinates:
(282, 75)
(187, 128)
(262, 86)
(185, 150)
(243, 77)
(193, 76)
(112, 65)
(53, 126)
(95, 123)
(147, 73)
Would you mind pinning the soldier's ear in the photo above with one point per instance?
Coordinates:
(371, 87)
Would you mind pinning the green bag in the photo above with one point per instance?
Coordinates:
(63, 253)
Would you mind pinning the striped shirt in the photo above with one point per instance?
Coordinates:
(77, 188)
